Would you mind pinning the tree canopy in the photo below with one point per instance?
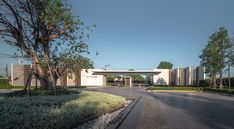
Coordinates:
(42, 30)
(217, 54)
(137, 77)
(165, 65)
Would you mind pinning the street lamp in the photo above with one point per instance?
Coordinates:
(229, 79)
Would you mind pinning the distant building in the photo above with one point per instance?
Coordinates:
(189, 76)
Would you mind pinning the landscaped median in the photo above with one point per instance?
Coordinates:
(227, 91)
(173, 89)
(64, 111)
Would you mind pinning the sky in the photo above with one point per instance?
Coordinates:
(138, 34)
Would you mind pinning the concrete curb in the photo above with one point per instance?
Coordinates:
(115, 123)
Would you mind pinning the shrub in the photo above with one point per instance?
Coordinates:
(55, 112)
(204, 83)
(220, 90)
(175, 88)
(4, 84)
(4, 81)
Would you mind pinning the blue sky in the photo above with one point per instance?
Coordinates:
(139, 34)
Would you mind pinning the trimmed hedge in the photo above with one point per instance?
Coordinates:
(231, 91)
(174, 88)
(205, 83)
(55, 112)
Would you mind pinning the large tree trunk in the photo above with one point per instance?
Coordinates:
(45, 78)
(221, 80)
(214, 80)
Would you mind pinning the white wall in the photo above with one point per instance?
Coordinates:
(71, 80)
(162, 78)
(88, 79)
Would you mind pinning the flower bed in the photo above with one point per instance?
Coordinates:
(60, 112)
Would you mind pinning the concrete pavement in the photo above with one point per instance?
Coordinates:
(176, 110)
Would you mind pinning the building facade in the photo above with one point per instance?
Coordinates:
(189, 76)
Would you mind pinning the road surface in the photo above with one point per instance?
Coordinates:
(176, 110)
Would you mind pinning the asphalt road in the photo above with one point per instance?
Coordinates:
(176, 110)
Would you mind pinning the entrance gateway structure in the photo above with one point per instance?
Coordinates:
(97, 77)
(89, 77)
(190, 76)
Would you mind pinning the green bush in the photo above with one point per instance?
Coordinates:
(220, 90)
(174, 88)
(4, 81)
(55, 112)
(204, 83)
(4, 84)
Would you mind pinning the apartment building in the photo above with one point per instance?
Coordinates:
(189, 76)
(180, 76)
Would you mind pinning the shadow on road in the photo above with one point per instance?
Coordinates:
(212, 112)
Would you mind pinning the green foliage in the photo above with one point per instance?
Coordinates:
(42, 29)
(174, 88)
(204, 83)
(211, 58)
(4, 81)
(219, 90)
(137, 77)
(4, 84)
(165, 65)
(55, 112)
(111, 77)
(217, 54)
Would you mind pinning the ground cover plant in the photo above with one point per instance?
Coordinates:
(57, 111)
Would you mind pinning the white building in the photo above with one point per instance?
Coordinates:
(97, 77)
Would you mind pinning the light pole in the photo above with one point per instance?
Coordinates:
(229, 80)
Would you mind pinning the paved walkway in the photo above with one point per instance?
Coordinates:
(176, 110)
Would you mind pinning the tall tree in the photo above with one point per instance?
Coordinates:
(210, 60)
(165, 65)
(40, 29)
(224, 44)
(215, 56)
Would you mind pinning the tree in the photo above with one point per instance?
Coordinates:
(41, 29)
(111, 77)
(165, 65)
(224, 44)
(215, 56)
(210, 60)
(230, 61)
(137, 77)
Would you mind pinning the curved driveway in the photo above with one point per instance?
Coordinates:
(176, 110)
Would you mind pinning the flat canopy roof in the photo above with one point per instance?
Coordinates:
(125, 72)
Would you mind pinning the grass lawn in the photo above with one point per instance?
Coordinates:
(55, 111)
(173, 89)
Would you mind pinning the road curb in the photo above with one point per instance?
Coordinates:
(116, 122)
